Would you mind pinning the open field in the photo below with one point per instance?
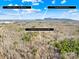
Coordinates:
(16, 43)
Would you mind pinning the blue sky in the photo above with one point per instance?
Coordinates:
(39, 9)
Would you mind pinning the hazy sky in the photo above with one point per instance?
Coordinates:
(39, 9)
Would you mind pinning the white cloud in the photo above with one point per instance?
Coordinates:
(21, 14)
(27, 10)
(63, 1)
(32, 1)
(35, 4)
(10, 5)
(73, 11)
(26, 0)
(16, 9)
(45, 8)
(53, 1)
(73, 14)
(31, 10)
(14, 5)
(21, 11)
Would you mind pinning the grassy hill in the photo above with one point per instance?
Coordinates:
(62, 43)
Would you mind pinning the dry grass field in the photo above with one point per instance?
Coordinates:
(62, 43)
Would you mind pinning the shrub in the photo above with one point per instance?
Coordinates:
(0, 36)
(19, 29)
(34, 50)
(15, 44)
(77, 30)
(66, 46)
(27, 36)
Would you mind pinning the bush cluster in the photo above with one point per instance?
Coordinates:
(66, 46)
(27, 36)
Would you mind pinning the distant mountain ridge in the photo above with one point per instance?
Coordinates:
(47, 19)
(57, 19)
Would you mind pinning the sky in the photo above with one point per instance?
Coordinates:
(39, 9)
